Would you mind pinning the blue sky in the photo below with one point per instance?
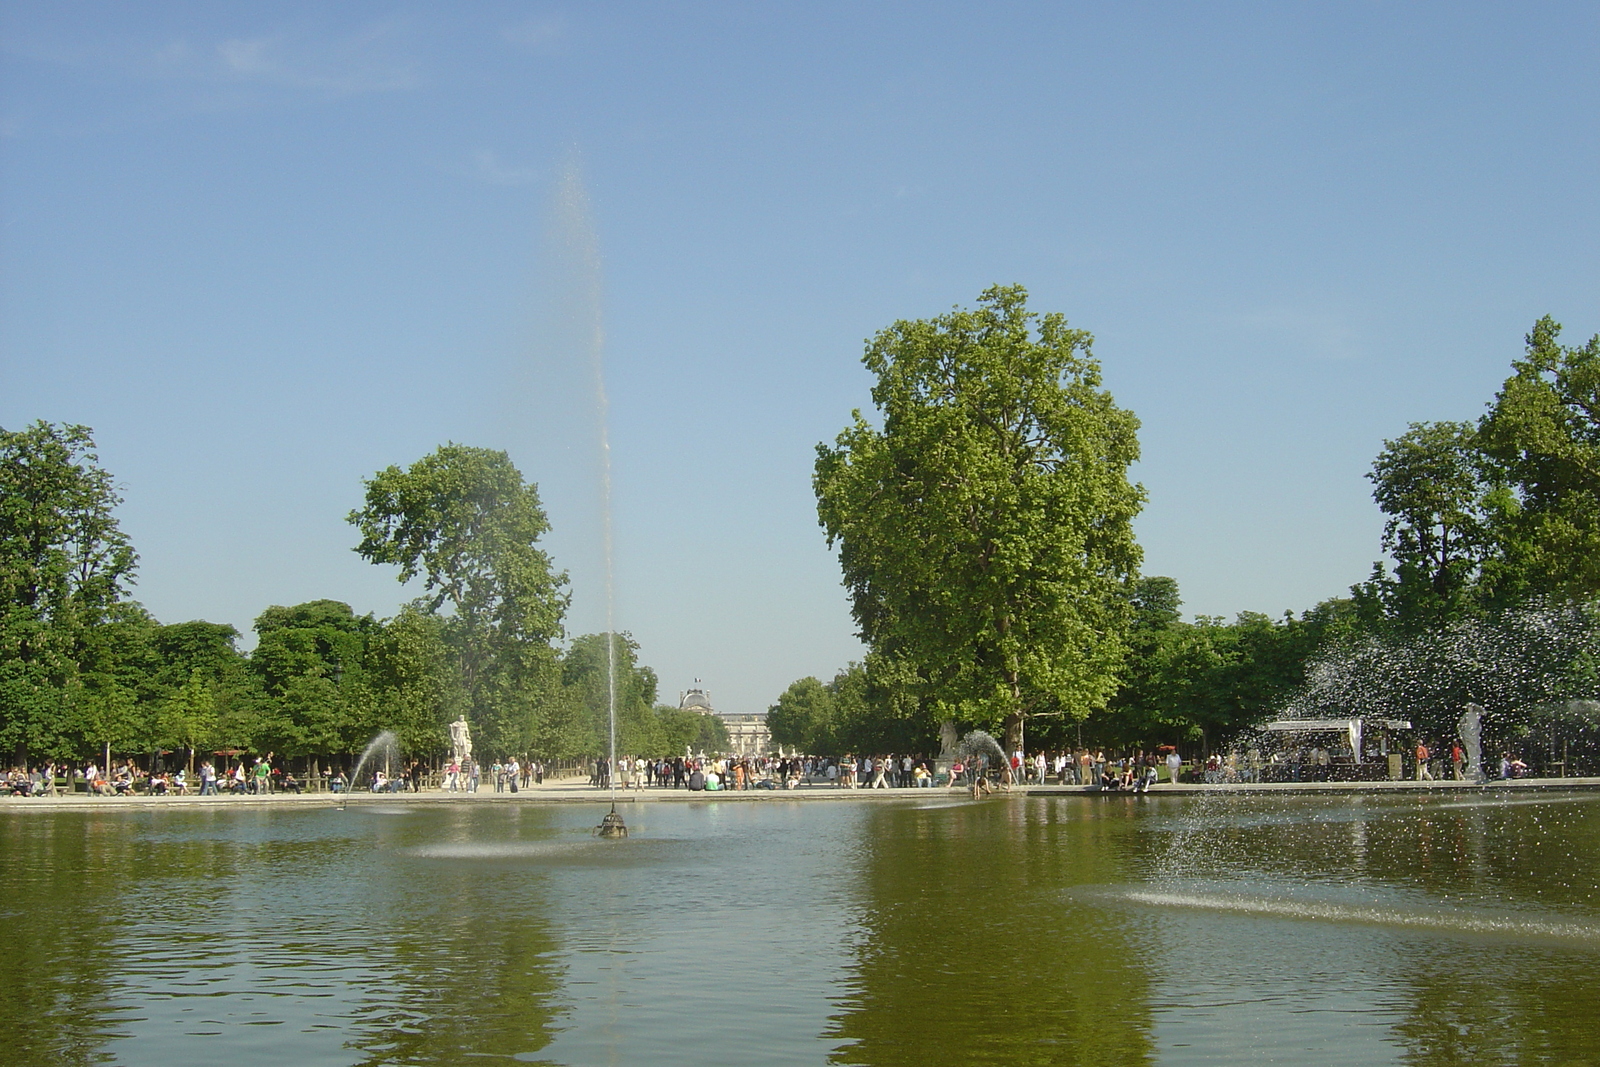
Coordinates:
(265, 250)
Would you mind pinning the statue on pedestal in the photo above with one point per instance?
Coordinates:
(460, 742)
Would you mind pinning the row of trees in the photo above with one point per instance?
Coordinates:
(83, 666)
(983, 525)
(984, 528)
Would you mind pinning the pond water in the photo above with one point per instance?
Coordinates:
(1063, 930)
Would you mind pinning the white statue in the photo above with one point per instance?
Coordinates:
(460, 741)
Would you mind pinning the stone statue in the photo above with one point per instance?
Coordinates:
(947, 739)
(460, 742)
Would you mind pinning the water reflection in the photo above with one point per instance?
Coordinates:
(207, 928)
(970, 953)
(929, 930)
(1434, 934)
(56, 1005)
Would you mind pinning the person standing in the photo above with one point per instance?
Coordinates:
(1457, 757)
(1423, 774)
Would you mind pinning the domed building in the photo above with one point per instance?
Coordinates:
(747, 734)
(696, 700)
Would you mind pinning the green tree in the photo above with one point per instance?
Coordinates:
(1544, 429)
(464, 521)
(685, 728)
(311, 661)
(585, 672)
(64, 566)
(1442, 497)
(413, 683)
(803, 717)
(188, 718)
(1201, 682)
(985, 530)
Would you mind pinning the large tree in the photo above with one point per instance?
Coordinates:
(1443, 498)
(463, 520)
(1544, 428)
(64, 567)
(985, 527)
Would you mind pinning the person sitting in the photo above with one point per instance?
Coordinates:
(1109, 779)
(291, 784)
(336, 783)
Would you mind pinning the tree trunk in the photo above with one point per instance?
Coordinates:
(1014, 733)
(1014, 721)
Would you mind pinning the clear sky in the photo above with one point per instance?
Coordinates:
(267, 249)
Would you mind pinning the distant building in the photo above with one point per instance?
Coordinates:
(747, 734)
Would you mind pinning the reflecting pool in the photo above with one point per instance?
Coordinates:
(1048, 930)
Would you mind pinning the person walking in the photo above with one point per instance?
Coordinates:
(1457, 757)
(1423, 774)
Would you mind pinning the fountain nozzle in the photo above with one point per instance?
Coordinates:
(612, 825)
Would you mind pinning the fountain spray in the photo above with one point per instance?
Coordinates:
(573, 210)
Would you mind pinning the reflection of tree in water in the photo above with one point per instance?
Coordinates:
(479, 987)
(463, 965)
(1471, 1002)
(970, 952)
(1499, 1005)
(67, 897)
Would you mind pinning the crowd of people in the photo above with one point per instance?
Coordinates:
(1084, 767)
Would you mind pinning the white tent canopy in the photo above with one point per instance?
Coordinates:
(1352, 728)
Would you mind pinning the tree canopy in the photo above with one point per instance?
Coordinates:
(985, 528)
(65, 566)
(464, 521)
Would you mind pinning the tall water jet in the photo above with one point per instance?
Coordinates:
(1470, 728)
(577, 226)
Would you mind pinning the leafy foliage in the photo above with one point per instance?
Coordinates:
(464, 521)
(1544, 429)
(65, 565)
(984, 530)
